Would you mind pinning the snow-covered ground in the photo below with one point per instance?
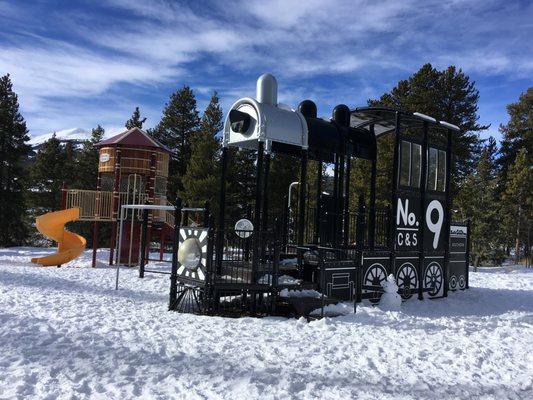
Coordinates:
(66, 333)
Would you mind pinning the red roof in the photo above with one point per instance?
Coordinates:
(134, 137)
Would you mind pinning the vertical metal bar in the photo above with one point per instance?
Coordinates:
(264, 213)
(257, 216)
(347, 199)
(421, 258)
(467, 255)
(322, 281)
(394, 199)
(221, 211)
(447, 212)
(175, 244)
(205, 217)
(360, 222)
(372, 205)
(119, 246)
(264, 216)
(318, 200)
(333, 227)
(144, 237)
(340, 202)
(301, 197)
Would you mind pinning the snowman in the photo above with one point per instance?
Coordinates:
(390, 300)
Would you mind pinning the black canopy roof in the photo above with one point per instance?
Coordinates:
(384, 120)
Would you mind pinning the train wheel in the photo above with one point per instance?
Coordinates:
(375, 276)
(407, 280)
(453, 283)
(462, 282)
(433, 279)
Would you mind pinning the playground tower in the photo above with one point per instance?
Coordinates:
(132, 169)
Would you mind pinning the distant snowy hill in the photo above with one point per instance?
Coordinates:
(74, 134)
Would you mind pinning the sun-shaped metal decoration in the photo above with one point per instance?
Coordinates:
(192, 254)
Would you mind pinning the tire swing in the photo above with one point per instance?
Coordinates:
(192, 269)
(407, 280)
(433, 279)
(375, 275)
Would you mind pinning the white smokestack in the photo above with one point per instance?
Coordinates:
(267, 90)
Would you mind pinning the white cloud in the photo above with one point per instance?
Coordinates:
(225, 45)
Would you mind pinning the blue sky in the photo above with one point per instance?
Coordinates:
(82, 63)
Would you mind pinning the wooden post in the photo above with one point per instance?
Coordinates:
(64, 188)
(115, 206)
(96, 226)
(144, 238)
(151, 201)
(95, 241)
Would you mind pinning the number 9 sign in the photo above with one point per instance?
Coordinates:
(435, 227)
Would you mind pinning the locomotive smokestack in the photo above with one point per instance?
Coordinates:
(341, 115)
(307, 108)
(267, 90)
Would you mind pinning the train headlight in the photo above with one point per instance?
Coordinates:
(190, 253)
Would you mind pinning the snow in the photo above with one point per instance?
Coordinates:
(282, 280)
(390, 300)
(66, 333)
(76, 134)
(300, 293)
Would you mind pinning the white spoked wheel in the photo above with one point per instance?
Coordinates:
(462, 282)
(433, 278)
(407, 280)
(453, 283)
(375, 276)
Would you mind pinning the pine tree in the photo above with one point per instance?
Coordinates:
(518, 132)
(478, 200)
(48, 173)
(518, 200)
(201, 181)
(178, 124)
(135, 121)
(14, 151)
(284, 170)
(87, 168)
(240, 182)
(446, 95)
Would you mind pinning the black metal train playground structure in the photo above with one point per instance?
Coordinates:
(234, 267)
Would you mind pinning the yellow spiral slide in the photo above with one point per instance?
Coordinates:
(70, 245)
